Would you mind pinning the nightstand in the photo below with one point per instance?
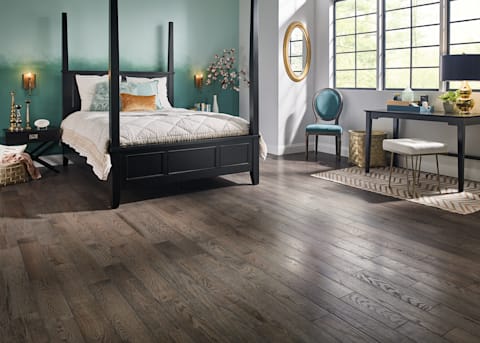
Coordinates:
(46, 138)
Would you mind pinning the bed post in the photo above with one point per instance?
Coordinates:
(170, 64)
(65, 97)
(254, 172)
(114, 72)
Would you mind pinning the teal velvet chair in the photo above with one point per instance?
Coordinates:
(327, 106)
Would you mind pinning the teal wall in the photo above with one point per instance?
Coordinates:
(30, 40)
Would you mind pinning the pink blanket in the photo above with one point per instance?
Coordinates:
(24, 158)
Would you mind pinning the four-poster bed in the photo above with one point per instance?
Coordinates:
(167, 162)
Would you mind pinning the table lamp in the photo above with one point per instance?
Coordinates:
(462, 68)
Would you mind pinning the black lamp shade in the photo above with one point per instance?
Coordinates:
(460, 67)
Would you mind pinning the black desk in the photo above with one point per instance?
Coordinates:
(460, 121)
(46, 138)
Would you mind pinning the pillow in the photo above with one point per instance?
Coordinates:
(162, 88)
(101, 98)
(86, 88)
(131, 102)
(11, 149)
(145, 88)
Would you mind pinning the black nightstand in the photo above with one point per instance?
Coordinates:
(46, 137)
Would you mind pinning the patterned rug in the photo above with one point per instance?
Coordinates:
(376, 181)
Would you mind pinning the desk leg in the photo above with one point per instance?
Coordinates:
(38, 151)
(368, 140)
(461, 155)
(396, 130)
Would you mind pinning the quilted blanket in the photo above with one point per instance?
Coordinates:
(88, 132)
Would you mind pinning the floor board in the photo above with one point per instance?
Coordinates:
(294, 259)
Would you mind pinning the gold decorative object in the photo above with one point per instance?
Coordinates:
(13, 114)
(18, 118)
(27, 115)
(464, 101)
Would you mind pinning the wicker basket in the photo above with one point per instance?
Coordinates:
(13, 173)
(357, 148)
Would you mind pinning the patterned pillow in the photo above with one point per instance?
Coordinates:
(101, 99)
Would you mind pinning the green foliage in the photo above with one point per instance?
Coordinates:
(449, 96)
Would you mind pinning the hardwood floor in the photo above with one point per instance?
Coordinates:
(294, 259)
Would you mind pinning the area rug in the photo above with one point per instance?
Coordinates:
(376, 181)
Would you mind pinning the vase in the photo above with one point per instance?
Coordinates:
(449, 107)
(215, 104)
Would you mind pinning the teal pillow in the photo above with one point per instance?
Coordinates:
(101, 99)
(146, 88)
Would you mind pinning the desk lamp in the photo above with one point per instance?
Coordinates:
(462, 68)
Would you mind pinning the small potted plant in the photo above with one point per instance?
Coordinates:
(449, 99)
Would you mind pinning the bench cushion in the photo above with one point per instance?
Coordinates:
(414, 146)
(324, 128)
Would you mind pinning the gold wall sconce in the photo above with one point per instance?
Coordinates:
(29, 81)
(198, 80)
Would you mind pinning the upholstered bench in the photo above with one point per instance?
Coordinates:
(414, 147)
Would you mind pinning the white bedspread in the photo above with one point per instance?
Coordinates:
(88, 132)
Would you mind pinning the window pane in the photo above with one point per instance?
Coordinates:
(425, 78)
(425, 57)
(366, 60)
(345, 61)
(397, 58)
(458, 84)
(422, 2)
(397, 19)
(345, 26)
(345, 79)
(397, 39)
(367, 23)
(367, 41)
(428, 35)
(297, 64)
(345, 44)
(465, 49)
(296, 48)
(464, 10)
(367, 79)
(344, 9)
(464, 32)
(392, 4)
(426, 15)
(397, 78)
(366, 6)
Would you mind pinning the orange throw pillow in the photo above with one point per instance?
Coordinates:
(132, 102)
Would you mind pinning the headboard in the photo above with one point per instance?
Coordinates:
(71, 97)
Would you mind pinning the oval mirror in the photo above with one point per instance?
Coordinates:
(297, 51)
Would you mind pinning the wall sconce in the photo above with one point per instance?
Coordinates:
(198, 80)
(29, 81)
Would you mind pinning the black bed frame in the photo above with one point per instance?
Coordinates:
(165, 162)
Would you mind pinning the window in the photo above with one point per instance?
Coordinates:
(412, 44)
(414, 35)
(356, 44)
(464, 25)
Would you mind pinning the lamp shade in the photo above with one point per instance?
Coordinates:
(460, 67)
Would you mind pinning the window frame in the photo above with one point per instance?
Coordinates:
(355, 34)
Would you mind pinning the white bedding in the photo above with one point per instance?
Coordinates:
(88, 132)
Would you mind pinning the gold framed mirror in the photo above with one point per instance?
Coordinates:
(297, 51)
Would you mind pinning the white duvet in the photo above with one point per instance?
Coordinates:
(88, 132)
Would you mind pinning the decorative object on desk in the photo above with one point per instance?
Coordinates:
(27, 115)
(215, 104)
(41, 124)
(18, 118)
(448, 99)
(376, 181)
(408, 95)
(13, 113)
(29, 81)
(198, 80)
(462, 68)
(405, 106)
(222, 70)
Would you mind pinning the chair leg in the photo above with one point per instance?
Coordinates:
(391, 167)
(306, 147)
(338, 146)
(438, 174)
(408, 172)
(316, 146)
(414, 177)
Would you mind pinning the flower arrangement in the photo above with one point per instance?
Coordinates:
(222, 70)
